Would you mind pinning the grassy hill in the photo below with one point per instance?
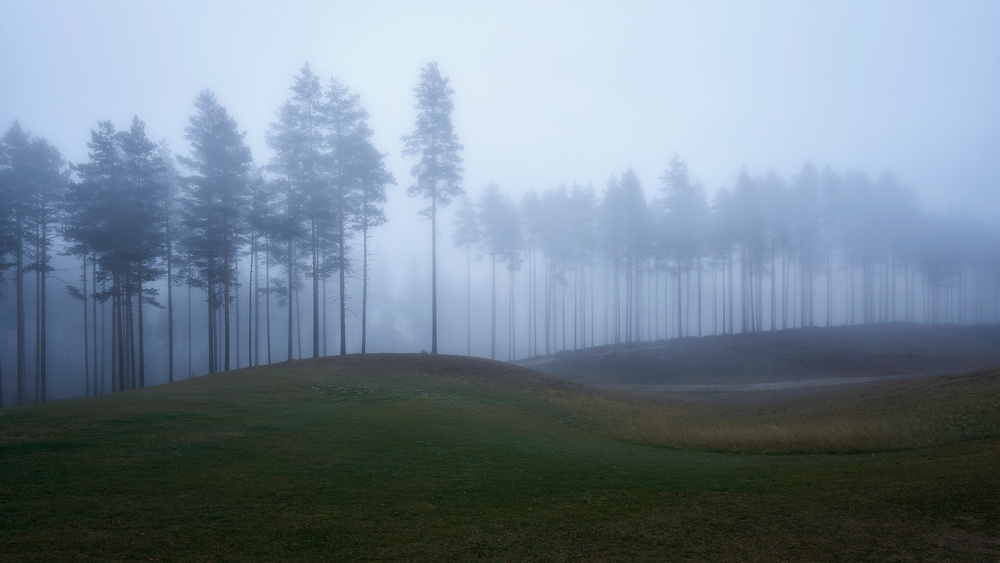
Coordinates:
(438, 458)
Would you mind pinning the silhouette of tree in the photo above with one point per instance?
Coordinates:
(214, 204)
(32, 181)
(438, 174)
(298, 141)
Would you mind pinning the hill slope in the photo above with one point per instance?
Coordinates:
(433, 458)
(809, 353)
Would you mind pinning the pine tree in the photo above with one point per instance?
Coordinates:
(683, 225)
(438, 174)
(33, 178)
(373, 180)
(213, 211)
(298, 141)
(117, 214)
(348, 154)
(147, 177)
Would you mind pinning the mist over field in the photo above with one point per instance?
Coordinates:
(593, 173)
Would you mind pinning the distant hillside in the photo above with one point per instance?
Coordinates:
(808, 353)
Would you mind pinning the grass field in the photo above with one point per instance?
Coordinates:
(438, 458)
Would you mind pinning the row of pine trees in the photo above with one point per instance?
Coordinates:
(820, 249)
(141, 221)
(582, 268)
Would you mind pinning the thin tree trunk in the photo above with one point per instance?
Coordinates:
(86, 339)
(290, 296)
(468, 301)
(236, 300)
(343, 284)
(267, 301)
(120, 332)
(43, 329)
(114, 331)
(364, 286)
(493, 306)
(298, 323)
(190, 367)
(434, 313)
(315, 289)
(256, 307)
(131, 331)
(211, 325)
(21, 336)
(104, 336)
(170, 307)
(93, 310)
(699, 294)
(225, 305)
(325, 324)
(251, 305)
(142, 353)
(512, 346)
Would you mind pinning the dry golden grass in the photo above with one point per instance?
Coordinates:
(887, 415)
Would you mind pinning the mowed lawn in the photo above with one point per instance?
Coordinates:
(438, 458)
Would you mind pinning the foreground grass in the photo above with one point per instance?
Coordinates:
(443, 459)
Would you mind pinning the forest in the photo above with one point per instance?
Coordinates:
(138, 266)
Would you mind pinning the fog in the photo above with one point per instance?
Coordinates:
(567, 94)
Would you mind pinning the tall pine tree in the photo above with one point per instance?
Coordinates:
(438, 173)
(218, 191)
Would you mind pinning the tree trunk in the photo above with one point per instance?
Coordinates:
(236, 303)
(142, 353)
(190, 367)
(211, 327)
(325, 323)
(267, 301)
(512, 343)
(120, 332)
(364, 287)
(104, 335)
(493, 306)
(343, 283)
(434, 308)
(225, 306)
(131, 331)
(251, 305)
(93, 307)
(315, 290)
(298, 324)
(42, 299)
(290, 278)
(170, 307)
(86, 339)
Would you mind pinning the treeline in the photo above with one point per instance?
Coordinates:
(583, 268)
(768, 253)
(138, 223)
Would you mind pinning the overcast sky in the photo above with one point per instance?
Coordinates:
(549, 92)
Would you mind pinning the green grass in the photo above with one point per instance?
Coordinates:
(384, 458)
